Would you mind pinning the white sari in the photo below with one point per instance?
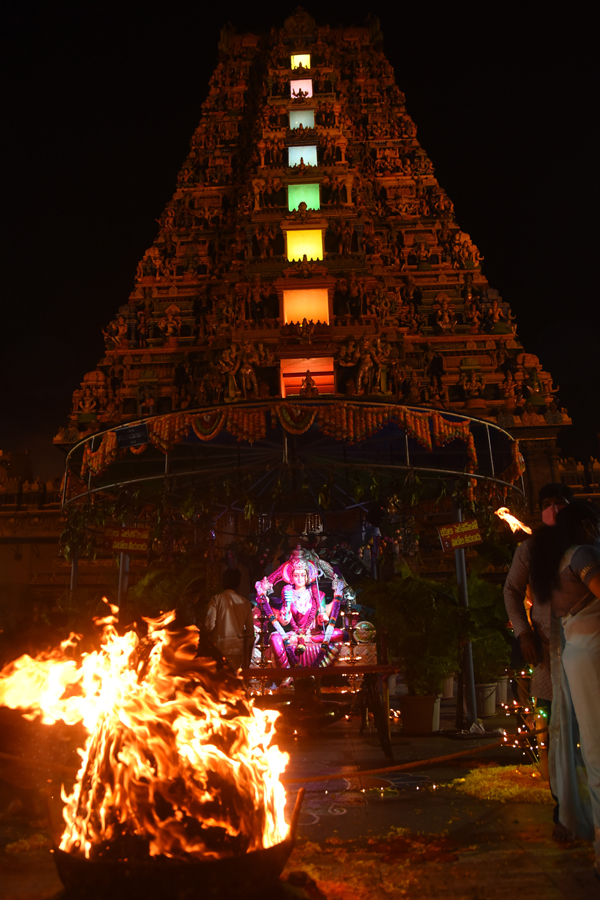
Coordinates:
(574, 748)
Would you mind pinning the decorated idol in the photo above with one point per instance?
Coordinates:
(304, 632)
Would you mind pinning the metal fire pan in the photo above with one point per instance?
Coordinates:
(246, 876)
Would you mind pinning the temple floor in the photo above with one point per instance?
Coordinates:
(414, 835)
(406, 835)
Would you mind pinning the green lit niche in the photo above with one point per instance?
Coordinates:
(300, 60)
(304, 117)
(303, 193)
(306, 153)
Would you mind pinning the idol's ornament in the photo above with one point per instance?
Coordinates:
(304, 629)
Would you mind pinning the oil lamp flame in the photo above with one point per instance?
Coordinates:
(512, 521)
(177, 761)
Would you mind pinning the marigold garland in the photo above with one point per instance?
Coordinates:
(166, 431)
(96, 461)
(247, 425)
(516, 467)
(518, 458)
(445, 431)
(296, 419)
(344, 421)
(207, 425)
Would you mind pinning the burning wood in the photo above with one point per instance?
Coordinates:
(178, 763)
(505, 514)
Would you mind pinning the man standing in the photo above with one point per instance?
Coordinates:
(230, 622)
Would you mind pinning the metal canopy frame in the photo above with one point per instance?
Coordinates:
(313, 452)
(283, 454)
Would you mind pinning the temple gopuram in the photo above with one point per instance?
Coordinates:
(309, 253)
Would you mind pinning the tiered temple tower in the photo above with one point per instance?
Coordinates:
(308, 248)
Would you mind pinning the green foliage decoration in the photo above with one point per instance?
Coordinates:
(491, 655)
(424, 625)
(179, 585)
(427, 627)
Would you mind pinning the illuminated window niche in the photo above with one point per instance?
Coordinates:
(293, 371)
(301, 84)
(307, 243)
(308, 153)
(303, 193)
(301, 59)
(306, 304)
(304, 117)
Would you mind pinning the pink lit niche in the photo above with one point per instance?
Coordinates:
(301, 84)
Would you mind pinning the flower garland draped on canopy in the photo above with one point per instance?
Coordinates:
(342, 421)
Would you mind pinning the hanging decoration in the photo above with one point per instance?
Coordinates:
(166, 431)
(518, 460)
(445, 431)
(296, 419)
(517, 466)
(341, 421)
(247, 425)
(207, 425)
(96, 461)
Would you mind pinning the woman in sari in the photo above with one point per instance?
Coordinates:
(565, 572)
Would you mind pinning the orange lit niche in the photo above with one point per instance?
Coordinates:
(306, 304)
(307, 243)
(293, 371)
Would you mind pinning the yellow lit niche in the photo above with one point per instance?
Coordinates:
(301, 84)
(307, 243)
(304, 117)
(303, 193)
(308, 153)
(306, 304)
(300, 59)
(293, 372)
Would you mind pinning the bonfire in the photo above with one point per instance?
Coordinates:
(177, 764)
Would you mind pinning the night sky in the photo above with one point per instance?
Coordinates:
(100, 101)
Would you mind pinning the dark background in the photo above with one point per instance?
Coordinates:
(100, 103)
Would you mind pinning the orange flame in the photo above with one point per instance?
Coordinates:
(176, 758)
(514, 523)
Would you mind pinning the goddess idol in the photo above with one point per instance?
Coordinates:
(313, 640)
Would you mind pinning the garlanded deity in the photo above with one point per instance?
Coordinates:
(312, 638)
